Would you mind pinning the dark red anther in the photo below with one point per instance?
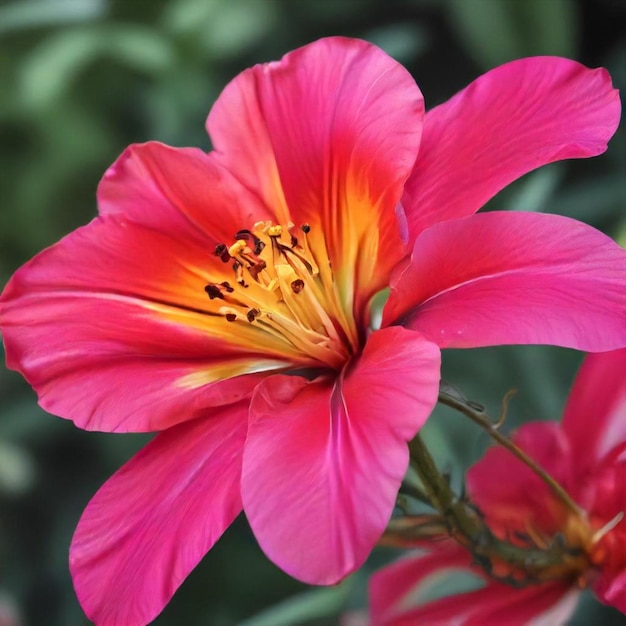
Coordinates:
(230, 317)
(249, 236)
(297, 285)
(305, 228)
(213, 291)
(221, 250)
(252, 314)
(227, 286)
(244, 234)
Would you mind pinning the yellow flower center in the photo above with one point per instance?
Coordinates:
(283, 284)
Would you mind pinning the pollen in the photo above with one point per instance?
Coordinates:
(282, 285)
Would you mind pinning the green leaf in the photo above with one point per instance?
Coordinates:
(24, 14)
(496, 31)
(592, 200)
(49, 70)
(302, 607)
(221, 29)
(17, 469)
(534, 191)
(403, 42)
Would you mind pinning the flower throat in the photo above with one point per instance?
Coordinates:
(283, 284)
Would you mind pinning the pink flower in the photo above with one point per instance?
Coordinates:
(224, 300)
(586, 453)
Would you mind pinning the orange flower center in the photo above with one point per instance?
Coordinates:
(600, 547)
(283, 284)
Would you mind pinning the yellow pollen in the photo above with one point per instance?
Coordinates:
(237, 247)
(282, 285)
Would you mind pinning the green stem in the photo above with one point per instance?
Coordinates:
(483, 420)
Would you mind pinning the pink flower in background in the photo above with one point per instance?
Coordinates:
(586, 453)
(224, 301)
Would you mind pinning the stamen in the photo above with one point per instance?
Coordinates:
(607, 528)
(221, 250)
(213, 291)
(238, 269)
(252, 314)
(237, 247)
(248, 235)
(280, 290)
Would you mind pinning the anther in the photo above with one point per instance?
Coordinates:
(306, 228)
(249, 236)
(252, 314)
(237, 247)
(213, 291)
(297, 285)
(227, 286)
(221, 250)
(230, 317)
(275, 231)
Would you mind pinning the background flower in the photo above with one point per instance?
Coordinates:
(585, 453)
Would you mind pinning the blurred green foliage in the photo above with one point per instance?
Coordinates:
(81, 79)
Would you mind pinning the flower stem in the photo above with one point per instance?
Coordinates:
(503, 560)
(482, 419)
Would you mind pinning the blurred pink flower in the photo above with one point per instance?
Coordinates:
(586, 453)
(224, 299)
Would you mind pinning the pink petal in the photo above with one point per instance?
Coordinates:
(324, 459)
(513, 278)
(496, 605)
(493, 605)
(180, 191)
(508, 122)
(611, 590)
(607, 487)
(327, 136)
(151, 522)
(111, 326)
(550, 604)
(523, 500)
(595, 415)
(395, 589)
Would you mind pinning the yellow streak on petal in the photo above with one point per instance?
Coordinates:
(226, 370)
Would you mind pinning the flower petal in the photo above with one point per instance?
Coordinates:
(180, 191)
(493, 605)
(610, 588)
(595, 414)
(508, 122)
(513, 278)
(113, 329)
(395, 589)
(607, 503)
(324, 459)
(524, 501)
(327, 136)
(151, 522)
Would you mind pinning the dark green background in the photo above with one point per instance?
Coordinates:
(81, 79)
